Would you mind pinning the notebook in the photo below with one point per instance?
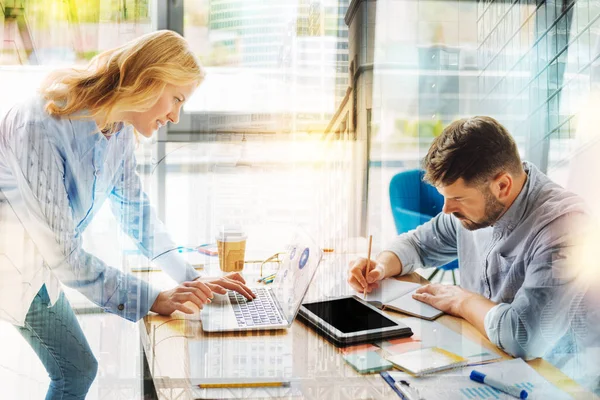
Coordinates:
(427, 360)
(397, 295)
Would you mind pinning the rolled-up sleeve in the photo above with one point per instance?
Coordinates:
(492, 322)
(132, 208)
(430, 245)
(38, 169)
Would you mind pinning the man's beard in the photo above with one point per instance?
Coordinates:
(493, 210)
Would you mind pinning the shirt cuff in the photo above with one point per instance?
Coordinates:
(491, 323)
(132, 300)
(407, 254)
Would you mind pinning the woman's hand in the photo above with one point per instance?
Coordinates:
(174, 299)
(199, 292)
(233, 281)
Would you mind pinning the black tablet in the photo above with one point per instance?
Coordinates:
(350, 320)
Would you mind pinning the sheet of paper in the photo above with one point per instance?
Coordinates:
(391, 289)
(388, 290)
(456, 385)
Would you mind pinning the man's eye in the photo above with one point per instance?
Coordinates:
(177, 100)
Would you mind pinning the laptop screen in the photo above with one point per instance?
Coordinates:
(299, 264)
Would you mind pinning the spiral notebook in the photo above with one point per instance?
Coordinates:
(427, 360)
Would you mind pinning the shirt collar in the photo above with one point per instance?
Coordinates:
(518, 208)
(87, 135)
(89, 124)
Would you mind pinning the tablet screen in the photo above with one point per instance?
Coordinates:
(349, 315)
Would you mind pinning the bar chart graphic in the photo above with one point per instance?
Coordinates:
(483, 392)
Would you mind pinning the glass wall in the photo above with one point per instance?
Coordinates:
(276, 73)
(267, 60)
(542, 58)
(425, 75)
(531, 65)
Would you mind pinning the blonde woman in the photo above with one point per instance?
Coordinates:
(62, 154)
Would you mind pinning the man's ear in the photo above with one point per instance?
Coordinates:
(502, 185)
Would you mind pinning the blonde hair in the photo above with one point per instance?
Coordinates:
(127, 78)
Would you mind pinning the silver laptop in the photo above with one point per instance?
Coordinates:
(276, 304)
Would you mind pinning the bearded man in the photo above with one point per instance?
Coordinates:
(513, 231)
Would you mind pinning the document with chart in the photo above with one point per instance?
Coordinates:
(456, 385)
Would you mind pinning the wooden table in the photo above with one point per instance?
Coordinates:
(319, 365)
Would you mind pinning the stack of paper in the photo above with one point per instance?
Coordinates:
(456, 385)
(432, 334)
(427, 361)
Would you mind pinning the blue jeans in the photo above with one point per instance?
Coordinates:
(56, 337)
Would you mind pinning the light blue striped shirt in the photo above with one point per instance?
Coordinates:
(524, 262)
(56, 174)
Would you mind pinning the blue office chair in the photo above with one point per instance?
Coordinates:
(415, 202)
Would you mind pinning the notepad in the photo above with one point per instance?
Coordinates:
(210, 249)
(427, 360)
(397, 295)
(367, 362)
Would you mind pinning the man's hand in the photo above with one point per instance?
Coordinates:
(387, 265)
(456, 301)
(233, 281)
(356, 275)
(170, 300)
(449, 299)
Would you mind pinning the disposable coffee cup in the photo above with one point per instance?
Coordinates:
(231, 243)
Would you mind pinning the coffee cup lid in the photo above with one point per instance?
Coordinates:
(231, 233)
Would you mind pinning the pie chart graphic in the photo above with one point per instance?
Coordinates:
(303, 258)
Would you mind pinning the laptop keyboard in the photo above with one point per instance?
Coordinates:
(260, 311)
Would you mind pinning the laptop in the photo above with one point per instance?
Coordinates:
(276, 304)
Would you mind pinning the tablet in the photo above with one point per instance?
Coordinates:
(350, 320)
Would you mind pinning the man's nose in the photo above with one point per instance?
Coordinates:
(448, 208)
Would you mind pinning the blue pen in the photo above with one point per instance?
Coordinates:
(496, 384)
(390, 381)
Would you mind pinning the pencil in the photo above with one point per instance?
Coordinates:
(266, 278)
(368, 265)
(242, 385)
